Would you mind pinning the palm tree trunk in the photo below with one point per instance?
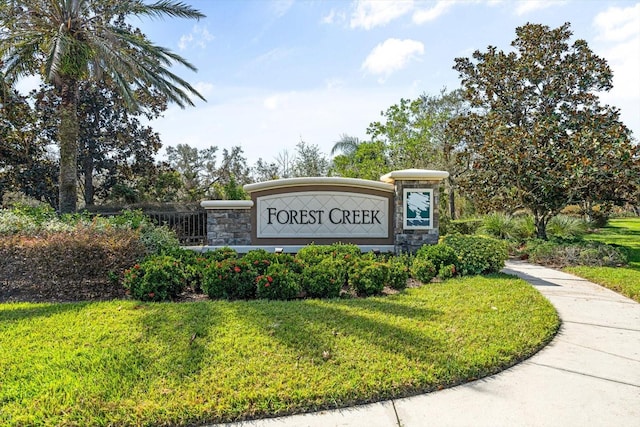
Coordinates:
(68, 140)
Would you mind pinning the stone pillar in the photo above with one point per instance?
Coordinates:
(416, 218)
(228, 222)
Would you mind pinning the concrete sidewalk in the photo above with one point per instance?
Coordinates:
(589, 375)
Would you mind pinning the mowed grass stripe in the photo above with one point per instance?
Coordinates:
(131, 363)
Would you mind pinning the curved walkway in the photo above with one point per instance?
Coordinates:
(589, 375)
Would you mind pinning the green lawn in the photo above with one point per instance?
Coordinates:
(131, 363)
(623, 232)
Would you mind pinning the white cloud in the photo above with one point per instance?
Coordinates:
(527, 6)
(273, 55)
(432, 13)
(392, 55)
(334, 17)
(281, 7)
(205, 88)
(618, 41)
(618, 24)
(372, 13)
(274, 102)
(334, 83)
(199, 37)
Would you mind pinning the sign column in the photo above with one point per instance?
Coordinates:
(416, 201)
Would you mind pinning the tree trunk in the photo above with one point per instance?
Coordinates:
(541, 226)
(87, 167)
(452, 201)
(68, 141)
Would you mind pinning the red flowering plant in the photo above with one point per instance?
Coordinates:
(229, 279)
(259, 260)
(278, 282)
(157, 278)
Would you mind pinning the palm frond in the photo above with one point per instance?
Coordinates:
(163, 8)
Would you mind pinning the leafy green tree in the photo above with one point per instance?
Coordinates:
(113, 143)
(415, 133)
(26, 166)
(309, 161)
(368, 161)
(537, 136)
(203, 178)
(68, 42)
(196, 168)
(406, 131)
(263, 171)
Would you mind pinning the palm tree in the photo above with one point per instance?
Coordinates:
(348, 145)
(70, 41)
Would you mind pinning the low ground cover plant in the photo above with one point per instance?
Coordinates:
(559, 253)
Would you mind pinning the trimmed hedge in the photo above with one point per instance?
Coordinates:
(80, 254)
(477, 254)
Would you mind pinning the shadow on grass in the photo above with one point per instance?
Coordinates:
(182, 329)
(312, 326)
(15, 312)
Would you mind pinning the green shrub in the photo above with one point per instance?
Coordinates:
(440, 255)
(524, 227)
(26, 220)
(464, 226)
(134, 220)
(278, 283)
(229, 279)
(398, 274)
(423, 269)
(368, 277)
(259, 260)
(158, 239)
(158, 278)
(314, 254)
(565, 254)
(566, 227)
(477, 254)
(446, 272)
(498, 225)
(222, 254)
(325, 279)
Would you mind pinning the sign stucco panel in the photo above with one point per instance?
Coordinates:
(322, 214)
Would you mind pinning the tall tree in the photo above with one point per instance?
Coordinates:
(309, 161)
(26, 166)
(406, 131)
(197, 169)
(415, 133)
(263, 171)
(368, 161)
(113, 143)
(538, 137)
(201, 175)
(71, 41)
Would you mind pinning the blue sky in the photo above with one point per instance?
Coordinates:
(275, 72)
